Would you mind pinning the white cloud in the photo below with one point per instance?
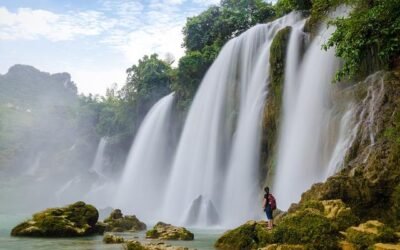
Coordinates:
(29, 24)
(128, 28)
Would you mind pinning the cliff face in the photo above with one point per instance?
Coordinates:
(370, 180)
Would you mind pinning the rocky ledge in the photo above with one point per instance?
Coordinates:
(78, 219)
(165, 231)
(117, 222)
(328, 224)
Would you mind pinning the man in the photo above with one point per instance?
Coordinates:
(269, 204)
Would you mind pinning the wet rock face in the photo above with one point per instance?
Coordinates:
(165, 231)
(117, 222)
(78, 219)
(371, 175)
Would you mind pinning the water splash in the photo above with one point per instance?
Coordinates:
(143, 181)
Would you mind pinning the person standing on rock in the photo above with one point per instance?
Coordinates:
(269, 204)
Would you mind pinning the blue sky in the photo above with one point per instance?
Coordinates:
(94, 40)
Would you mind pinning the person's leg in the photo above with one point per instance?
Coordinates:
(269, 216)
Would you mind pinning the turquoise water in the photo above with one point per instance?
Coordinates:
(204, 239)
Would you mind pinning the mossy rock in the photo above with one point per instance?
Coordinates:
(117, 222)
(113, 239)
(165, 231)
(369, 233)
(250, 235)
(307, 227)
(134, 245)
(272, 108)
(283, 247)
(78, 219)
(382, 246)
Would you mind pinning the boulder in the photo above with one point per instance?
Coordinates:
(283, 247)
(369, 233)
(165, 231)
(117, 222)
(136, 245)
(113, 239)
(250, 235)
(78, 219)
(381, 246)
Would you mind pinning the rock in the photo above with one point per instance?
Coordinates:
(283, 247)
(78, 219)
(381, 246)
(250, 235)
(113, 239)
(117, 222)
(345, 245)
(136, 245)
(367, 234)
(100, 227)
(165, 231)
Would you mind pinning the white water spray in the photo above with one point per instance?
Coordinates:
(143, 180)
(209, 163)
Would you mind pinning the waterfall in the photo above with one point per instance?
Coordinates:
(315, 132)
(217, 156)
(98, 162)
(143, 180)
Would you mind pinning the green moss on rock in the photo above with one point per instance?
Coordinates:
(369, 233)
(117, 222)
(113, 239)
(251, 235)
(308, 227)
(78, 219)
(272, 109)
(165, 231)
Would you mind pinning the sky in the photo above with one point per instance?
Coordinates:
(94, 40)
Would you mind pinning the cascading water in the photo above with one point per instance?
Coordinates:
(213, 173)
(143, 180)
(98, 163)
(311, 146)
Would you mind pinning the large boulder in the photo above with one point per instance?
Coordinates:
(117, 222)
(165, 231)
(78, 219)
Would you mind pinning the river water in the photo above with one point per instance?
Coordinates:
(204, 239)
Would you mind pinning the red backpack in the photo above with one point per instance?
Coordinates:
(272, 201)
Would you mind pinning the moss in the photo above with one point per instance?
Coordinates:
(307, 227)
(134, 245)
(248, 236)
(272, 109)
(370, 233)
(152, 234)
(78, 219)
(314, 205)
(117, 222)
(165, 231)
(112, 239)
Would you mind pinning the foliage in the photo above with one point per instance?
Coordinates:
(368, 39)
(204, 36)
(283, 7)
